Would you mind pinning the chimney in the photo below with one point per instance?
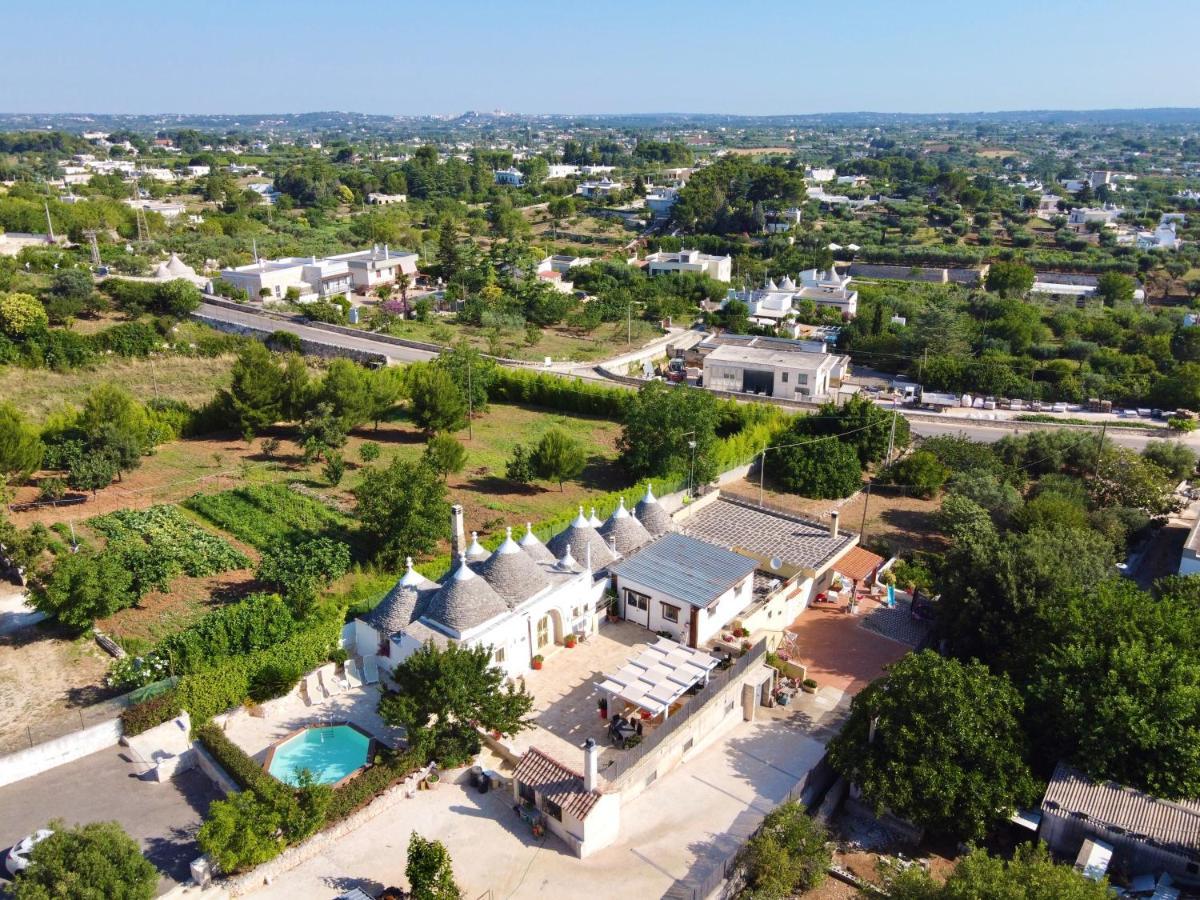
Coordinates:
(386, 255)
(591, 765)
(833, 524)
(458, 535)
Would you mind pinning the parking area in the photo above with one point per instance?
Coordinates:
(105, 786)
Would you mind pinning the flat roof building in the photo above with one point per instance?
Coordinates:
(719, 268)
(775, 367)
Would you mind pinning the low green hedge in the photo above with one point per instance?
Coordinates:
(213, 690)
(145, 715)
(233, 759)
(360, 790)
(566, 394)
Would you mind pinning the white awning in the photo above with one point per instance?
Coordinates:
(659, 675)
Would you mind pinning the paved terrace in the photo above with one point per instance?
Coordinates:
(765, 533)
(255, 733)
(565, 694)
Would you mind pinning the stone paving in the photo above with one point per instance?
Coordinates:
(897, 624)
(765, 533)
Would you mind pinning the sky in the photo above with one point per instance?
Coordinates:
(532, 56)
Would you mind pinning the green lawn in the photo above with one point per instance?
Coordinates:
(559, 343)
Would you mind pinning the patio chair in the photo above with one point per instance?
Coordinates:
(371, 669)
(353, 678)
(312, 687)
(329, 680)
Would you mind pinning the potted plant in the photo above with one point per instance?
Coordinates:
(809, 686)
(570, 641)
(602, 704)
(537, 661)
(745, 646)
(432, 780)
(614, 614)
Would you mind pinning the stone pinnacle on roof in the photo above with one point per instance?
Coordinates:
(411, 577)
(594, 520)
(567, 563)
(465, 600)
(652, 515)
(624, 531)
(577, 537)
(530, 544)
(476, 553)
(512, 573)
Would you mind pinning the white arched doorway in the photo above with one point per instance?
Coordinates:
(547, 631)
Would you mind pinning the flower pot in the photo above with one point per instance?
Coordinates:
(432, 781)
(536, 664)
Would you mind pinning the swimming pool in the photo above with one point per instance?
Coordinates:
(331, 753)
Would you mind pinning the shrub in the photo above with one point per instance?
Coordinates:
(173, 542)
(238, 764)
(257, 623)
(273, 680)
(788, 855)
(241, 832)
(145, 715)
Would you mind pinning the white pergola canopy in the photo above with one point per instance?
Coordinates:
(659, 675)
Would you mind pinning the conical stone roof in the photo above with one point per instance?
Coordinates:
(578, 537)
(538, 551)
(512, 573)
(464, 600)
(652, 515)
(624, 530)
(594, 520)
(402, 604)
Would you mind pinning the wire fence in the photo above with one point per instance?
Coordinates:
(717, 681)
(68, 722)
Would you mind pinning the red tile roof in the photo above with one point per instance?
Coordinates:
(858, 563)
(556, 782)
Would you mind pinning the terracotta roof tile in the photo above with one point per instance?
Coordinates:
(858, 563)
(556, 782)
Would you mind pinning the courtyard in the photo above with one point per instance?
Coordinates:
(256, 729)
(565, 694)
(107, 786)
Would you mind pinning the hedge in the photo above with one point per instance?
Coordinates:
(145, 715)
(566, 394)
(256, 623)
(217, 688)
(237, 763)
(391, 767)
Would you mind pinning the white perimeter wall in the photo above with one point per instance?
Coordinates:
(68, 748)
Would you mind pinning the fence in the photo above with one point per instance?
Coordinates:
(717, 682)
(808, 791)
(68, 722)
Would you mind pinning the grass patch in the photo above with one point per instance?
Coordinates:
(1060, 420)
(264, 514)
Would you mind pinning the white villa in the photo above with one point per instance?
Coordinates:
(602, 188)
(554, 271)
(717, 267)
(319, 277)
(661, 201)
(775, 302)
(520, 600)
(513, 177)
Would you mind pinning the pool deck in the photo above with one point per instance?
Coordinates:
(276, 720)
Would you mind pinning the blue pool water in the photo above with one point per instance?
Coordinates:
(330, 754)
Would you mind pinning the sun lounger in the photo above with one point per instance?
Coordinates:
(332, 684)
(352, 676)
(312, 686)
(371, 669)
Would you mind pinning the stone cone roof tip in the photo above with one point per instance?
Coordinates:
(513, 573)
(594, 520)
(625, 531)
(476, 552)
(465, 600)
(536, 549)
(411, 577)
(578, 537)
(652, 515)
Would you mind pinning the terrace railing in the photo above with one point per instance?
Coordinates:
(656, 737)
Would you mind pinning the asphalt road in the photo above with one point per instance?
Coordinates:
(993, 432)
(975, 430)
(366, 343)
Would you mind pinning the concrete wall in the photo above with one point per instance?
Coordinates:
(307, 347)
(68, 748)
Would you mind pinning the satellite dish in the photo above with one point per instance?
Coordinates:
(776, 562)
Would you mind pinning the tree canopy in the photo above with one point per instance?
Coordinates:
(938, 742)
(402, 509)
(97, 861)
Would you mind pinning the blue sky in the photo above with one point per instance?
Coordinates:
(736, 56)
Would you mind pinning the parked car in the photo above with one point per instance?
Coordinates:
(18, 855)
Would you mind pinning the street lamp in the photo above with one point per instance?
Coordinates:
(692, 470)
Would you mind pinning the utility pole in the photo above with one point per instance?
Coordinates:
(49, 224)
(862, 529)
(892, 436)
(470, 400)
(629, 323)
(762, 467)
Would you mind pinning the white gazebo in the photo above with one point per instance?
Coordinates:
(658, 676)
